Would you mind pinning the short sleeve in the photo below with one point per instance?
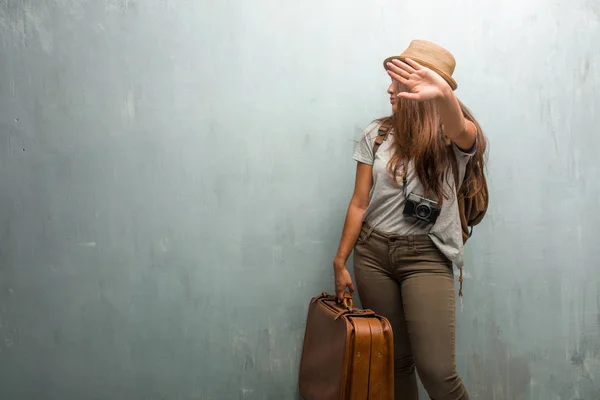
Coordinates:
(363, 151)
(463, 157)
(462, 154)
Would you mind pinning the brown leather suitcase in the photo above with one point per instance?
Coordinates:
(347, 352)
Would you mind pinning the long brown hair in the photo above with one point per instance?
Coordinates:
(419, 137)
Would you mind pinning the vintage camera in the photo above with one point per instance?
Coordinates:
(421, 208)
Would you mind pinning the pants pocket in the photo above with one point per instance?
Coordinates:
(363, 236)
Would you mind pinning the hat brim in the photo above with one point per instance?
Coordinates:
(446, 77)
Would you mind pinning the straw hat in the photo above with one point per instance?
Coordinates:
(431, 56)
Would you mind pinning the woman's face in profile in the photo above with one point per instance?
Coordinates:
(393, 90)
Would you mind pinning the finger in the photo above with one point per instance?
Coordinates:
(394, 68)
(398, 78)
(414, 64)
(402, 73)
(404, 66)
(351, 287)
(409, 96)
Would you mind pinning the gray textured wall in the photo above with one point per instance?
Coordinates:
(174, 176)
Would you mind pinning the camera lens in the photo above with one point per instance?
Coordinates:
(423, 211)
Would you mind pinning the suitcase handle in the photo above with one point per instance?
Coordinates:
(350, 309)
(348, 303)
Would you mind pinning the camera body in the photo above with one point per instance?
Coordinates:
(421, 208)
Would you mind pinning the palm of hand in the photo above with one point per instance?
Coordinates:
(422, 83)
(425, 84)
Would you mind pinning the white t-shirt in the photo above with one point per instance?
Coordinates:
(386, 204)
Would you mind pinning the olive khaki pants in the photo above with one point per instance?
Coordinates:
(410, 282)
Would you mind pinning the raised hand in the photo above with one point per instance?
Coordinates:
(422, 83)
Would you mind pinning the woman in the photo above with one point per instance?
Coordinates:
(403, 220)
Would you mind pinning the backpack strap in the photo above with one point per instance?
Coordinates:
(384, 130)
(460, 198)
